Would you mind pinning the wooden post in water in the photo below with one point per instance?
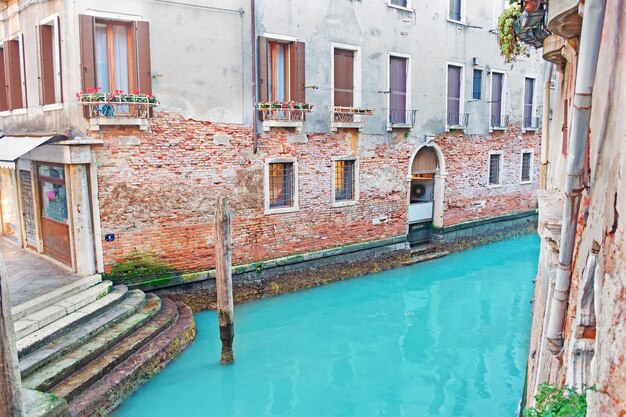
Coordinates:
(224, 279)
(10, 382)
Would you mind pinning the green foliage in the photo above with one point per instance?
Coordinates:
(554, 401)
(510, 45)
(139, 267)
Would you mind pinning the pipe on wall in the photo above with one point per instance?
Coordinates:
(545, 124)
(585, 75)
(255, 136)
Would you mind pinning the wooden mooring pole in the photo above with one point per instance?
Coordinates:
(10, 382)
(224, 279)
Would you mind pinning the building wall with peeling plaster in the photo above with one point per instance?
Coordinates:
(156, 189)
(593, 355)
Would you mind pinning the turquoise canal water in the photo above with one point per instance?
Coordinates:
(442, 338)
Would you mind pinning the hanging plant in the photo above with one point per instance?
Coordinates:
(510, 45)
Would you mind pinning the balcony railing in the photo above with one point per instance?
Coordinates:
(456, 120)
(530, 28)
(499, 121)
(343, 114)
(99, 109)
(283, 115)
(402, 117)
(531, 123)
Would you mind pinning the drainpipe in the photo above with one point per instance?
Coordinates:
(255, 136)
(545, 123)
(585, 74)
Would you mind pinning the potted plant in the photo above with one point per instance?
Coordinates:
(510, 46)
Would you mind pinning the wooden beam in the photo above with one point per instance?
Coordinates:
(224, 279)
(10, 382)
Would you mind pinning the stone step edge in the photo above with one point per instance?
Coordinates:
(58, 328)
(85, 376)
(41, 404)
(152, 314)
(107, 394)
(134, 301)
(56, 311)
(53, 296)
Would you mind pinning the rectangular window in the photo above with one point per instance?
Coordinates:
(497, 93)
(526, 166)
(401, 3)
(494, 169)
(344, 77)
(345, 180)
(13, 71)
(455, 10)
(115, 55)
(477, 85)
(454, 95)
(398, 72)
(50, 62)
(529, 102)
(281, 70)
(281, 184)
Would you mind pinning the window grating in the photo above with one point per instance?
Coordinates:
(402, 3)
(526, 158)
(494, 169)
(281, 184)
(344, 180)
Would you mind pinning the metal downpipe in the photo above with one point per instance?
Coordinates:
(545, 124)
(585, 75)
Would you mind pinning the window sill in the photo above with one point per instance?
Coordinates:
(530, 129)
(16, 112)
(96, 122)
(494, 185)
(457, 22)
(338, 125)
(269, 124)
(281, 210)
(52, 107)
(495, 129)
(526, 182)
(451, 128)
(346, 203)
(401, 126)
(404, 9)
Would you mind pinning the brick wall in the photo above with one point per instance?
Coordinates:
(157, 189)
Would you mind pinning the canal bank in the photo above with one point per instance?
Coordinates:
(288, 274)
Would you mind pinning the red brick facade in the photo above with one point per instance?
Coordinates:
(158, 188)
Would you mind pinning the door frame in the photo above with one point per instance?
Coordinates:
(38, 180)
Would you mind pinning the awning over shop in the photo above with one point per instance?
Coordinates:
(12, 147)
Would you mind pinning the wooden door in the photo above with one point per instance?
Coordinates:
(55, 231)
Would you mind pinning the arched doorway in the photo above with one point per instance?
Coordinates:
(426, 191)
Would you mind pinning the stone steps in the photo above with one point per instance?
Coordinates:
(52, 297)
(56, 371)
(426, 257)
(92, 345)
(46, 334)
(53, 312)
(106, 394)
(125, 312)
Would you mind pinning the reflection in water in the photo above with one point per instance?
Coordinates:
(446, 338)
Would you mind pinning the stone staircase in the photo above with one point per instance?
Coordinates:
(92, 344)
(424, 252)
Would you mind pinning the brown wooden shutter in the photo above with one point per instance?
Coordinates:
(144, 77)
(4, 104)
(60, 74)
(262, 69)
(46, 51)
(87, 52)
(344, 77)
(564, 128)
(12, 62)
(297, 72)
